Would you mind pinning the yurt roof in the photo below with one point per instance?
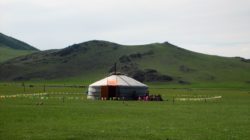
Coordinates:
(118, 80)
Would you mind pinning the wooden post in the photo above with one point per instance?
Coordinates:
(23, 87)
(115, 68)
(44, 88)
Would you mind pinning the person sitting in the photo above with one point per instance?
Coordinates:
(139, 98)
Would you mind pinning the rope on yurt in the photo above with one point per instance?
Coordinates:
(124, 80)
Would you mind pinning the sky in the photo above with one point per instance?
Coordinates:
(217, 27)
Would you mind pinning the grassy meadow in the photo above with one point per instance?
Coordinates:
(64, 113)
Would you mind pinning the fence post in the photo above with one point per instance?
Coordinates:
(23, 87)
(44, 88)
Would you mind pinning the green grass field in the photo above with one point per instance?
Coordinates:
(64, 113)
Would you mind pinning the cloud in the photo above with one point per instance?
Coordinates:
(193, 24)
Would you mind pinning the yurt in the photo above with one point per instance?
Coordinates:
(118, 86)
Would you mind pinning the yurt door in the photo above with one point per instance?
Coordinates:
(112, 91)
(104, 91)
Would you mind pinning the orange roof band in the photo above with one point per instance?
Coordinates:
(112, 82)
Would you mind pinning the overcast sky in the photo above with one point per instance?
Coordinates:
(218, 27)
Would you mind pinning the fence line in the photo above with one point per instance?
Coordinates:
(38, 94)
(198, 99)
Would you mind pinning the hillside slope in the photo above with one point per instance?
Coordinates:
(153, 62)
(11, 48)
(8, 53)
(13, 43)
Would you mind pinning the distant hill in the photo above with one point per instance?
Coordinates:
(11, 48)
(157, 62)
(13, 43)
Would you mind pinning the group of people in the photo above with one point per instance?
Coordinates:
(139, 98)
(150, 98)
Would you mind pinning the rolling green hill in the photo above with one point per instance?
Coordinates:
(158, 62)
(13, 43)
(11, 48)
